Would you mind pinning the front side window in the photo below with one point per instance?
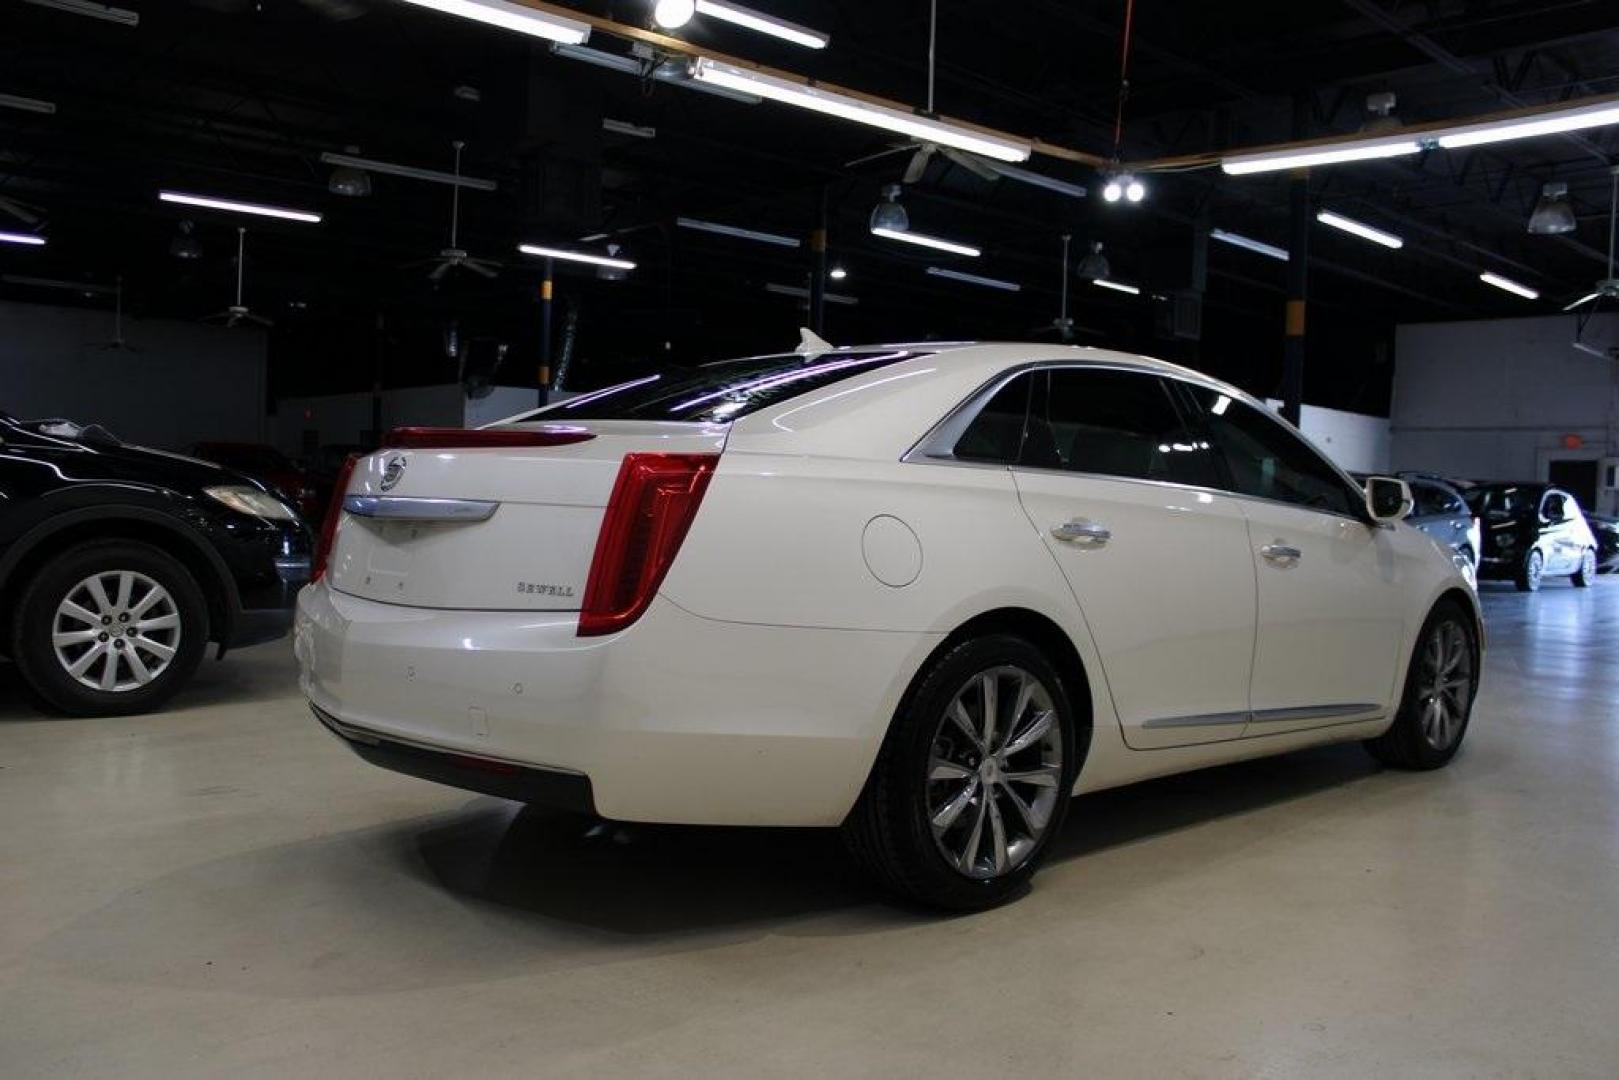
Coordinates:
(1266, 460)
(1426, 500)
(1114, 423)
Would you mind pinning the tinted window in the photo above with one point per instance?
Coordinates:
(1504, 501)
(996, 433)
(1427, 500)
(1267, 460)
(720, 391)
(1113, 423)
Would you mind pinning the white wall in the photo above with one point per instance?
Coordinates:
(185, 382)
(1494, 399)
(1356, 442)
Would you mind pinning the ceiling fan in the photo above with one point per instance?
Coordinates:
(238, 313)
(454, 256)
(1606, 289)
(1063, 325)
(118, 344)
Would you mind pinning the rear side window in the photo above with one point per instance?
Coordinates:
(721, 391)
(996, 433)
(1114, 423)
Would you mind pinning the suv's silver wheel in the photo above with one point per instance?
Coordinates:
(116, 631)
(994, 772)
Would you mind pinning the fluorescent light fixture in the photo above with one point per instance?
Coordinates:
(83, 287)
(235, 207)
(803, 294)
(925, 240)
(1510, 286)
(837, 273)
(624, 127)
(22, 238)
(509, 16)
(1330, 154)
(1573, 118)
(1040, 180)
(764, 24)
(575, 256)
(1117, 286)
(91, 10)
(410, 171)
(975, 279)
(819, 100)
(1360, 229)
(629, 65)
(27, 104)
(737, 232)
(1239, 240)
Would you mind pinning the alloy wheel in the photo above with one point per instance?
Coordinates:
(1532, 571)
(994, 772)
(1446, 684)
(116, 631)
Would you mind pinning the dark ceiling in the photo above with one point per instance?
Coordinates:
(239, 98)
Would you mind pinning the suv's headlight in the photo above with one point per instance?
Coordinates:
(252, 502)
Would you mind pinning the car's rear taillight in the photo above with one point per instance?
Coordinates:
(334, 510)
(651, 508)
(433, 438)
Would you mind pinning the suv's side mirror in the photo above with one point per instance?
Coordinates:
(1387, 499)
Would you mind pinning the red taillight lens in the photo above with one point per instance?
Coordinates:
(652, 506)
(433, 438)
(334, 510)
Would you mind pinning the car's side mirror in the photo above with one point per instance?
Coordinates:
(1387, 499)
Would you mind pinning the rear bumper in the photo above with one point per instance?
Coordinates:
(541, 787)
(677, 719)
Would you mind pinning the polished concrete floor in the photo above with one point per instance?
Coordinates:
(223, 890)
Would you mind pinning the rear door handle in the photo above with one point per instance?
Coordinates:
(1281, 553)
(1080, 531)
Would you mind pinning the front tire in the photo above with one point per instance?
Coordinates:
(1437, 703)
(1529, 574)
(109, 628)
(973, 780)
(1587, 572)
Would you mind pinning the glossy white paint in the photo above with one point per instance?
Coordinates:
(758, 687)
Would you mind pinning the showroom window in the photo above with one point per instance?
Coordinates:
(1267, 460)
(996, 433)
(1114, 423)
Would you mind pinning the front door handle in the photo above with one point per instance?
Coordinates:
(1281, 553)
(1080, 531)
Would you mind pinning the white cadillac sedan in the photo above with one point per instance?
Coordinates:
(922, 592)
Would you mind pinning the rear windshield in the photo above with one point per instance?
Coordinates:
(719, 391)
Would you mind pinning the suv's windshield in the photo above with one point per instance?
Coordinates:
(720, 391)
(1500, 501)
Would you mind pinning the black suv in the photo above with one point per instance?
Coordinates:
(119, 564)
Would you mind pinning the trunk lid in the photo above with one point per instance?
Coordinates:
(531, 553)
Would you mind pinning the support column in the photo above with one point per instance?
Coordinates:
(817, 289)
(1298, 260)
(547, 290)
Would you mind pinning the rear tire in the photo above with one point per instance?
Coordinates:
(924, 827)
(1530, 572)
(109, 628)
(1437, 702)
(1587, 572)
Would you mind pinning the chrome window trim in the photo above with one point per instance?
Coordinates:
(933, 448)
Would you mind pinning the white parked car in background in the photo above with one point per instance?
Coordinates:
(921, 592)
